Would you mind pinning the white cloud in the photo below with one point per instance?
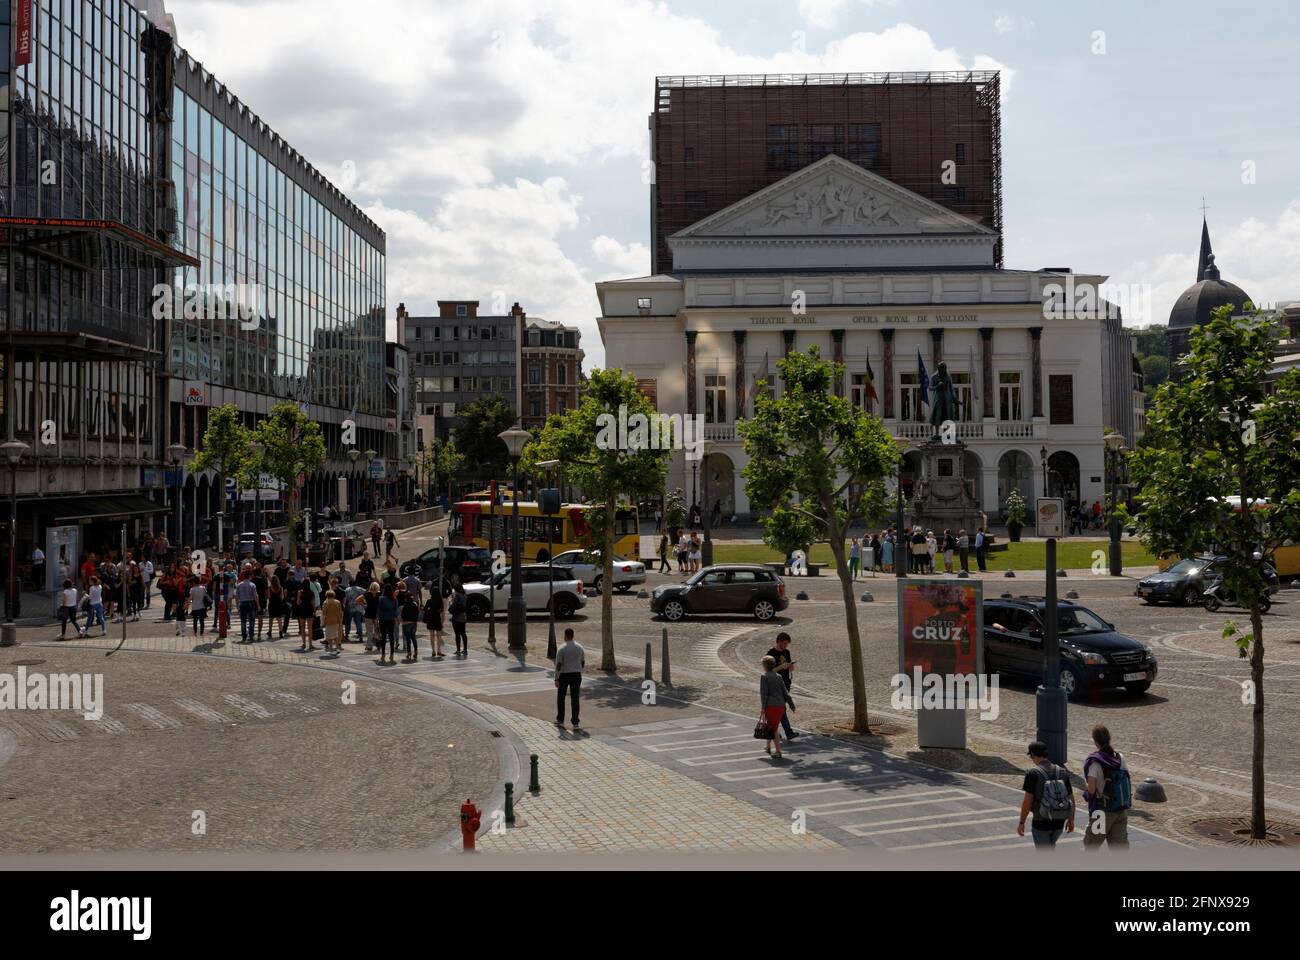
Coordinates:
(1004, 24)
(466, 123)
(821, 13)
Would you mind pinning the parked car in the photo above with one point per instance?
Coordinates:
(591, 571)
(249, 545)
(472, 564)
(1186, 581)
(1094, 655)
(538, 592)
(724, 588)
(333, 546)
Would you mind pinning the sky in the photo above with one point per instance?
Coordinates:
(503, 146)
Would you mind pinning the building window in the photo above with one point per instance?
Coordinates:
(417, 333)
(437, 333)
(462, 310)
(1060, 392)
(821, 141)
(715, 398)
(858, 392)
(534, 338)
(961, 153)
(561, 374)
(863, 144)
(643, 304)
(470, 384)
(696, 198)
(450, 358)
(535, 407)
(1009, 405)
(688, 154)
(953, 194)
(487, 333)
(782, 147)
(534, 374)
(909, 388)
(965, 397)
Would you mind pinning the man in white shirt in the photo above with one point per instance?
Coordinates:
(569, 662)
(38, 568)
(146, 571)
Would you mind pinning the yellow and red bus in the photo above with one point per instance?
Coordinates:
(470, 521)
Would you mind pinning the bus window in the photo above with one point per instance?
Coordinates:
(624, 523)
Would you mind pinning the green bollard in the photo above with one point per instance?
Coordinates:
(533, 785)
(510, 803)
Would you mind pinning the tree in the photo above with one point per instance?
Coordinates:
(1223, 431)
(675, 509)
(477, 434)
(816, 465)
(224, 449)
(292, 446)
(1155, 371)
(607, 467)
(446, 459)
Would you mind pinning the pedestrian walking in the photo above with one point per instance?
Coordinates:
(410, 626)
(785, 668)
(664, 566)
(855, 559)
(949, 548)
(570, 660)
(372, 617)
(433, 621)
(389, 610)
(249, 608)
(354, 612)
(38, 568)
(963, 550)
(1109, 793)
(331, 617)
(981, 549)
(459, 611)
(1048, 796)
(697, 551)
(198, 606)
(68, 610)
(304, 611)
(390, 541)
(773, 698)
(887, 554)
(375, 535)
(95, 607)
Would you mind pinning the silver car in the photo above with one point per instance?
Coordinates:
(589, 569)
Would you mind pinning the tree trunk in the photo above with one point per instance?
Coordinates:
(607, 659)
(861, 722)
(1257, 821)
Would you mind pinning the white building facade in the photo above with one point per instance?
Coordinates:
(875, 277)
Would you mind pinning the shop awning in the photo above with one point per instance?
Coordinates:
(101, 509)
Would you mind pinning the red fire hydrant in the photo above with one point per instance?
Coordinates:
(471, 817)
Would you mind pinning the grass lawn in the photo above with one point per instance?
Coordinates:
(1074, 555)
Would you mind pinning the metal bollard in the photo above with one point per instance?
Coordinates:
(510, 803)
(649, 674)
(533, 785)
(666, 678)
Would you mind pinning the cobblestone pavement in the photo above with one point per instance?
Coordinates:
(263, 757)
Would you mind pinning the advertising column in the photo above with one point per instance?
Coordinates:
(941, 655)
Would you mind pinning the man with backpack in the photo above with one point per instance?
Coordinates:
(1048, 796)
(1109, 794)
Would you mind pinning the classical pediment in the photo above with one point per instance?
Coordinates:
(832, 197)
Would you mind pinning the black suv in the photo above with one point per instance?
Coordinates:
(1187, 580)
(726, 588)
(472, 564)
(1093, 655)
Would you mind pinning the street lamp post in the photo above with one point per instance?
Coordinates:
(550, 495)
(370, 478)
(1042, 459)
(695, 486)
(176, 453)
(1114, 445)
(353, 456)
(14, 450)
(516, 617)
(902, 550)
(706, 512)
(257, 449)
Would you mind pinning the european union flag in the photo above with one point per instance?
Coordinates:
(925, 380)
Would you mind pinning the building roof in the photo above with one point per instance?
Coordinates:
(1210, 292)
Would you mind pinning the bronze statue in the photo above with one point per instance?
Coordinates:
(943, 398)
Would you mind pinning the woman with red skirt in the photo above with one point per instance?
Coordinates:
(773, 698)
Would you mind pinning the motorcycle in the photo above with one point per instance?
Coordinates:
(1218, 595)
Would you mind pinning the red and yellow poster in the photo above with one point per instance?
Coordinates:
(940, 627)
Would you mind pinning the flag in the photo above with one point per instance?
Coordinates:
(871, 383)
(761, 375)
(925, 380)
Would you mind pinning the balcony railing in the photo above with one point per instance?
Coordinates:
(977, 430)
(719, 432)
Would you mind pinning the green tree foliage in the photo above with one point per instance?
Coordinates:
(478, 427)
(808, 451)
(224, 449)
(292, 445)
(1155, 371)
(675, 509)
(585, 439)
(1224, 431)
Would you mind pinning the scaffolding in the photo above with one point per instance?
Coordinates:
(718, 139)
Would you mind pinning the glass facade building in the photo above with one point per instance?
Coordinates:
(127, 172)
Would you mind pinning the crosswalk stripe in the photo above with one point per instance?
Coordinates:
(152, 716)
(1000, 818)
(250, 707)
(202, 711)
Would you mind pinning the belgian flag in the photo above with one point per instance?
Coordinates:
(871, 383)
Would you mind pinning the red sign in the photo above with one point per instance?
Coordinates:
(939, 623)
(23, 48)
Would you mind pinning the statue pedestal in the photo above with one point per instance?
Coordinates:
(943, 498)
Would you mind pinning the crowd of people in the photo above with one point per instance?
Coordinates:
(921, 551)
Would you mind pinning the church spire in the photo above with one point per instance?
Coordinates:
(1206, 259)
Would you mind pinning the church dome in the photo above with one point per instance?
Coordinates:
(1210, 292)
